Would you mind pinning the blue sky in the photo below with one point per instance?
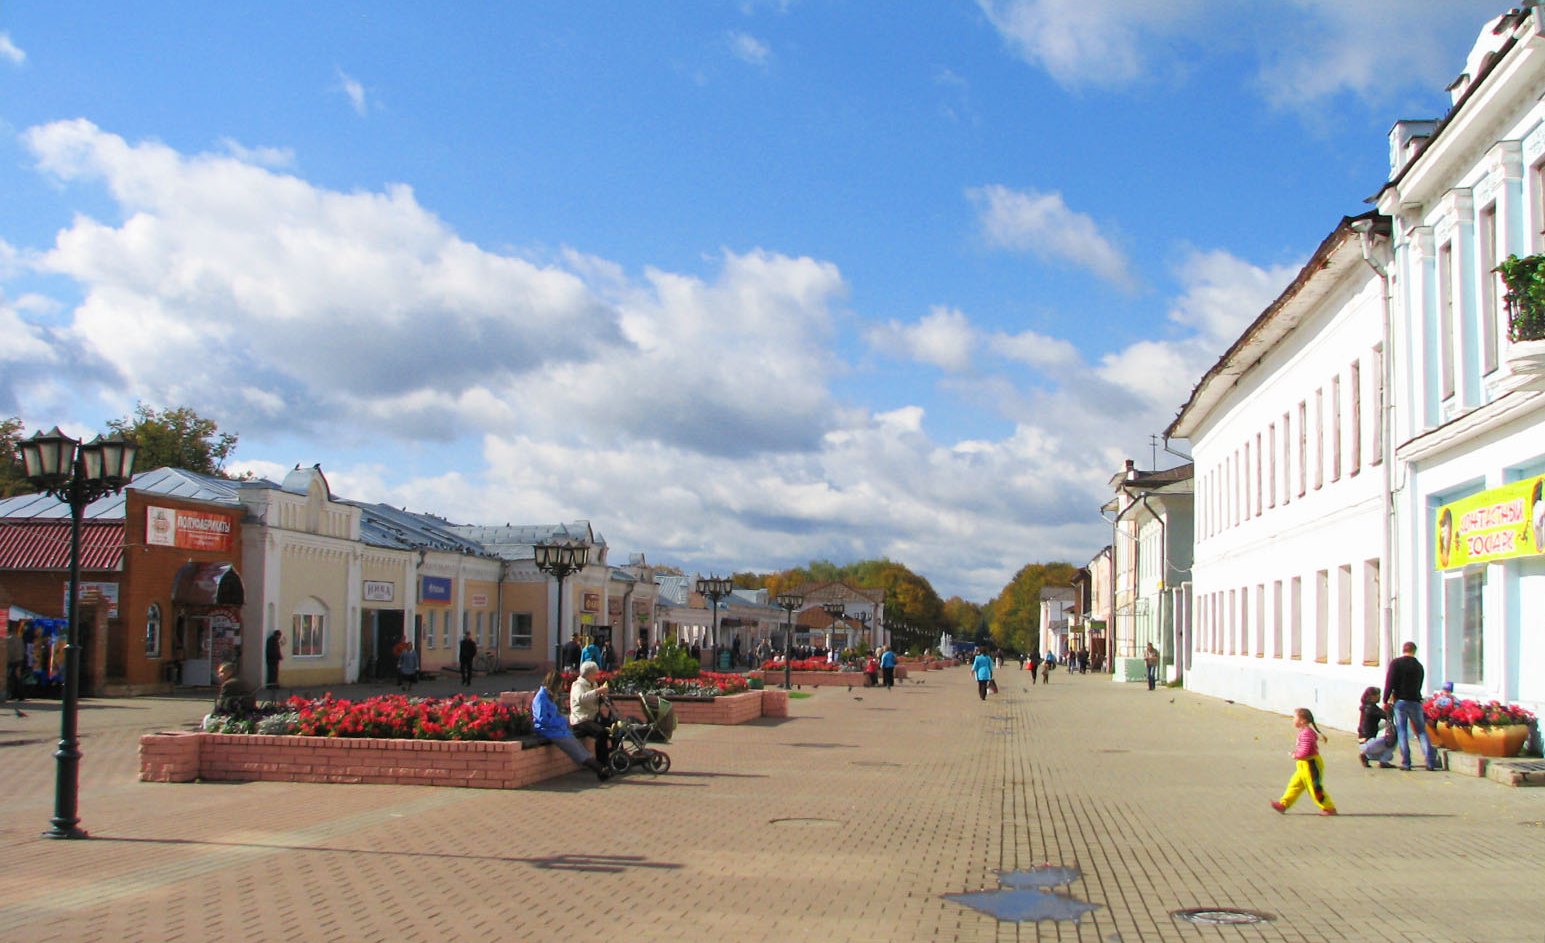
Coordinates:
(745, 284)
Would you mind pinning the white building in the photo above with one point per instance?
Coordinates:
(1464, 193)
(1290, 542)
(1151, 518)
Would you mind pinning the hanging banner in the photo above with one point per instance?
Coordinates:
(1499, 524)
(187, 530)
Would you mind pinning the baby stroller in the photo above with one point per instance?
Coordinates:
(630, 738)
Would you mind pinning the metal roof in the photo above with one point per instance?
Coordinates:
(515, 541)
(45, 545)
(171, 482)
(382, 525)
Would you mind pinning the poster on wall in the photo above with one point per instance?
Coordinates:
(379, 591)
(434, 589)
(1499, 524)
(187, 530)
(91, 592)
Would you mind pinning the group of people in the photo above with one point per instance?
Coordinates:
(880, 668)
(580, 649)
(583, 719)
(1383, 725)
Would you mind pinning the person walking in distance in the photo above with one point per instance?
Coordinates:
(1308, 768)
(981, 668)
(273, 653)
(1151, 660)
(888, 667)
(1403, 691)
(466, 655)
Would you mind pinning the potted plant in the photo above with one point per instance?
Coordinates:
(1525, 297)
(1489, 729)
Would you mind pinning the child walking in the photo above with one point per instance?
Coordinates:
(1309, 769)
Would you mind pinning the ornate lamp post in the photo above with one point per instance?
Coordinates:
(834, 609)
(77, 475)
(863, 626)
(714, 588)
(788, 602)
(560, 560)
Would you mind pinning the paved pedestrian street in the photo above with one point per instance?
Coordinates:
(920, 813)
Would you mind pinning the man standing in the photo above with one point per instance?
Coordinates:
(1403, 689)
(15, 663)
(466, 655)
(888, 666)
(273, 653)
(1151, 662)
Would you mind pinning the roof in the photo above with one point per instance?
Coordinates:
(675, 590)
(171, 482)
(45, 545)
(1343, 247)
(515, 541)
(381, 525)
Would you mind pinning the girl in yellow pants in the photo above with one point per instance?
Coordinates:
(1309, 768)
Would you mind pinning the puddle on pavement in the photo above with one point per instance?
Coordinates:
(1020, 898)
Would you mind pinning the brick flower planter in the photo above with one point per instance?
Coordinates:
(726, 709)
(822, 679)
(180, 757)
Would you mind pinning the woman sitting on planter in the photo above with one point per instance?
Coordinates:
(548, 721)
(585, 707)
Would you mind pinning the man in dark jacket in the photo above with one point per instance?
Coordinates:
(1403, 690)
(467, 654)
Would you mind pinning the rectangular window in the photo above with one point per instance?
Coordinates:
(1246, 476)
(1490, 315)
(1463, 625)
(1303, 447)
(1257, 474)
(1446, 344)
(1319, 438)
(1335, 428)
(1244, 620)
(1271, 465)
(1357, 416)
(1287, 460)
(1376, 441)
(152, 631)
(482, 639)
(445, 628)
(1260, 620)
(1371, 602)
(1296, 620)
(1322, 616)
(1233, 619)
(1276, 619)
(1344, 615)
(429, 638)
(307, 634)
(520, 630)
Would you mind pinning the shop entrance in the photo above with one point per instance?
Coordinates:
(379, 632)
(197, 635)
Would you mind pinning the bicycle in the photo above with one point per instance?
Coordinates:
(486, 662)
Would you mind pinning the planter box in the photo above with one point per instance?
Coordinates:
(181, 757)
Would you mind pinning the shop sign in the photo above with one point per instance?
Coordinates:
(379, 591)
(1499, 524)
(434, 589)
(92, 592)
(187, 530)
(479, 601)
(592, 602)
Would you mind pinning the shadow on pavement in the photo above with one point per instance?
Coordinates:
(603, 864)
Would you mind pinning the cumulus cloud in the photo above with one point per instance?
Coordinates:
(354, 91)
(945, 339)
(1083, 45)
(10, 52)
(749, 49)
(1042, 223)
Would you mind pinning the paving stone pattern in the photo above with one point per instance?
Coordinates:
(850, 820)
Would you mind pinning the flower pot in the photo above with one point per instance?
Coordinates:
(1442, 735)
(1492, 741)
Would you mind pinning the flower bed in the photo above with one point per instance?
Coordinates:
(800, 664)
(706, 684)
(388, 716)
(820, 679)
(723, 709)
(181, 757)
(1490, 729)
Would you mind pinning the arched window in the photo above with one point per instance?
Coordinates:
(308, 630)
(153, 631)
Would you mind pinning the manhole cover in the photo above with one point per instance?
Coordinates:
(803, 821)
(1221, 917)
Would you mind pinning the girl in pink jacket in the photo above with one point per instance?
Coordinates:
(1308, 768)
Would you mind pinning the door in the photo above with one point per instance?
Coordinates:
(388, 631)
(197, 668)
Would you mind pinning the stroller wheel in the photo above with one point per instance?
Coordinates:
(619, 761)
(659, 762)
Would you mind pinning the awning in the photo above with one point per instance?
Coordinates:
(45, 545)
(208, 584)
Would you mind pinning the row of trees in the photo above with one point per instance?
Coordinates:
(177, 437)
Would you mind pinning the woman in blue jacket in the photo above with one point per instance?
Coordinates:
(548, 721)
(981, 666)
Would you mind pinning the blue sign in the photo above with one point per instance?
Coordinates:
(434, 589)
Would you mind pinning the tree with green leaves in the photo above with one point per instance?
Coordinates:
(1014, 617)
(13, 476)
(176, 437)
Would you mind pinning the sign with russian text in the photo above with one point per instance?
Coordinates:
(92, 592)
(187, 530)
(1499, 524)
(379, 591)
(434, 589)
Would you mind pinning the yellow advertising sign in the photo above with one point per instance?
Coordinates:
(1499, 524)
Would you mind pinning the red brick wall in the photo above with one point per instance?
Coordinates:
(183, 757)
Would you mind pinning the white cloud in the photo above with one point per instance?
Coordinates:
(10, 52)
(1222, 294)
(1036, 350)
(354, 90)
(749, 49)
(275, 158)
(1043, 224)
(1080, 43)
(944, 338)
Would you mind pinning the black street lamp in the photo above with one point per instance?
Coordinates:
(560, 560)
(76, 474)
(788, 602)
(834, 609)
(863, 626)
(714, 588)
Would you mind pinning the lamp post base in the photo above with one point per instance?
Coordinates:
(65, 830)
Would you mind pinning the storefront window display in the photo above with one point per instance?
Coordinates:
(153, 631)
(308, 635)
